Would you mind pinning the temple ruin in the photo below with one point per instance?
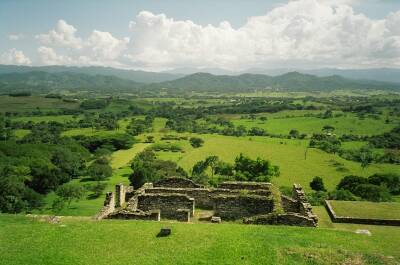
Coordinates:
(178, 199)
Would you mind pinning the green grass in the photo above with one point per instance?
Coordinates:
(57, 118)
(289, 155)
(25, 240)
(363, 209)
(33, 103)
(348, 124)
(123, 157)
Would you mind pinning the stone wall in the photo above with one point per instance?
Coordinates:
(168, 204)
(177, 182)
(182, 215)
(153, 215)
(244, 185)
(204, 197)
(354, 220)
(281, 219)
(290, 205)
(120, 195)
(108, 206)
(233, 207)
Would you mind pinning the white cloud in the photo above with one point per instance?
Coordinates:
(15, 37)
(99, 48)
(48, 56)
(301, 33)
(14, 56)
(63, 36)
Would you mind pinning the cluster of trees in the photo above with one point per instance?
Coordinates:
(139, 126)
(243, 169)
(28, 171)
(377, 188)
(106, 142)
(148, 168)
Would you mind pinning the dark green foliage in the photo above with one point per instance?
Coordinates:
(350, 183)
(15, 196)
(390, 181)
(115, 141)
(94, 104)
(327, 143)
(372, 192)
(96, 189)
(389, 140)
(147, 168)
(317, 184)
(20, 94)
(139, 126)
(196, 142)
(254, 170)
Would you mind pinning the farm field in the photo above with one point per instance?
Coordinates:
(343, 125)
(135, 242)
(33, 103)
(370, 210)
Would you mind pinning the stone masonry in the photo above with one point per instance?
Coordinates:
(175, 198)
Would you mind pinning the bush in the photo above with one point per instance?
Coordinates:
(351, 182)
(317, 184)
(342, 195)
(372, 192)
(196, 142)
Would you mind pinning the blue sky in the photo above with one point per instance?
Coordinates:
(22, 21)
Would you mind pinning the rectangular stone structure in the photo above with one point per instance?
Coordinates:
(168, 204)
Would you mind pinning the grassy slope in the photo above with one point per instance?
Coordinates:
(287, 154)
(82, 241)
(382, 210)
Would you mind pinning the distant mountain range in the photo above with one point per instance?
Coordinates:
(48, 78)
(294, 81)
(137, 76)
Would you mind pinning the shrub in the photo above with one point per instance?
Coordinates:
(196, 142)
(317, 184)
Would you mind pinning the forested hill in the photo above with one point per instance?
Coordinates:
(293, 81)
(43, 82)
(134, 75)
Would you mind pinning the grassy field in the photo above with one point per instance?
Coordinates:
(289, 155)
(57, 118)
(83, 241)
(350, 124)
(373, 210)
(33, 103)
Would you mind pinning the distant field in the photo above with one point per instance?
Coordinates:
(82, 241)
(33, 103)
(57, 118)
(363, 209)
(343, 125)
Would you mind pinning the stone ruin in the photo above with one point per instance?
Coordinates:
(176, 198)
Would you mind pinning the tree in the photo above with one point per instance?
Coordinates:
(372, 192)
(69, 192)
(351, 182)
(100, 169)
(294, 133)
(150, 139)
(366, 156)
(328, 129)
(317, 184)
(196, 142)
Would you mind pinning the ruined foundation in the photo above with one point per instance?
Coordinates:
(175, 198)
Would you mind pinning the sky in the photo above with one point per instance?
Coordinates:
(234, 35)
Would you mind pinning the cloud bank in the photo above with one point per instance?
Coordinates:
(301, 33)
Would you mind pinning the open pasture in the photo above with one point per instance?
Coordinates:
(33, 103)
(368, 210)
(349, 124)
(135, 242)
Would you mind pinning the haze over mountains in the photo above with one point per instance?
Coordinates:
(105, 78)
